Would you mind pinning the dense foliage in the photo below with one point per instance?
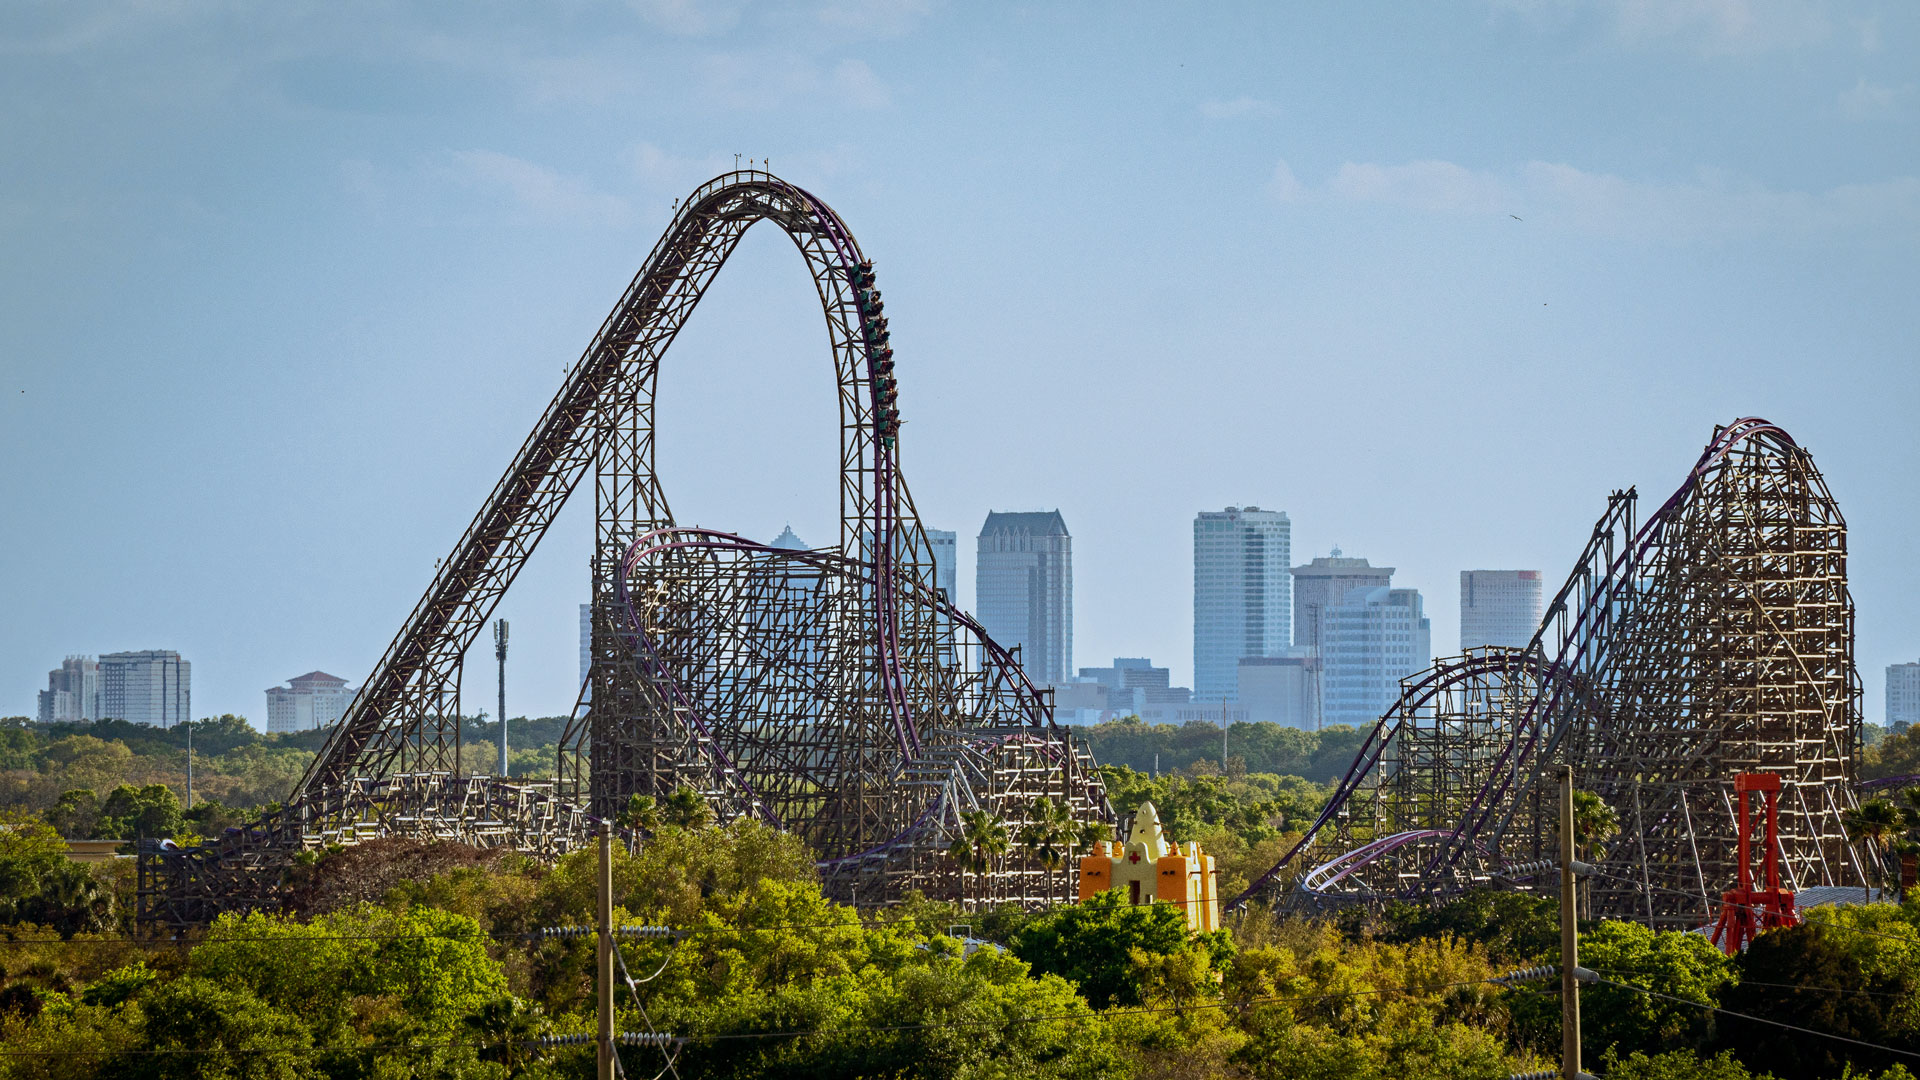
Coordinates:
(417, 958)
(1319, 756)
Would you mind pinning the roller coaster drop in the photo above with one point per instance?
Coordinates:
(1715, 638)
(837, 694)
(833, 693)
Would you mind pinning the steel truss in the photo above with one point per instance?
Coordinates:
(831, 692)
(1714, 639)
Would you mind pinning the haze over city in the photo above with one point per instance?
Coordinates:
(289, 285)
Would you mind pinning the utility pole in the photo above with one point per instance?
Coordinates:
(1569, 939)
(500, 652)
(189, 724)
(603, 926)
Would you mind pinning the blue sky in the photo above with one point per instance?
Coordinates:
(285, 285)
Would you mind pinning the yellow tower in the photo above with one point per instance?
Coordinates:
(1151, 868)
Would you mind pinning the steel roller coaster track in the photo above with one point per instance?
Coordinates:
(834, 693)
(1713, 638)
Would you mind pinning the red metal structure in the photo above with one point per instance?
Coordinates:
(1744, 910)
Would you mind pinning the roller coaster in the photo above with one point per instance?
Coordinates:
(835, 693)
(1711, 639)
(838, 695)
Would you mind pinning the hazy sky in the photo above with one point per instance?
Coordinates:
(285, 285)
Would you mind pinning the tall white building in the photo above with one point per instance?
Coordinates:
(1903, 696)
(1023, 590)
(310, 701)
(153, 686)
(586, 650)
(1372, 639)
(1499, 607)
(1324, 582)
(1242, 594)
(73, 691)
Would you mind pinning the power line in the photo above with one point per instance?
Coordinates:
(1762, 1019)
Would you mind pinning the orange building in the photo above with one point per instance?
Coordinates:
(1150, 868)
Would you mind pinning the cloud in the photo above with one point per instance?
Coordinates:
(765, 80)
(1284, 185)
(873, 18)
(1240, 106)
(1549, 194)
(540, 190)
(690, 18)
(1867, 100)
(1709, 27)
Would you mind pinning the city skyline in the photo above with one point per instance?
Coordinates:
(1506, 319)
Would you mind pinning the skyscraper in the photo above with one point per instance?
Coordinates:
(1280, 690)
(153, 686)
(944, 547)
(73, 691)
(586, 651)
(1241, 594)
(1498, 607)
(1023, 590)
(310, 701)
(1372, 639)
(1323, 583)
(1903, 696)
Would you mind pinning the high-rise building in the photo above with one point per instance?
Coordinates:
(1241, 594)
(1903, 696)
(1325, 582)
(310, 701)
(73, 691)
(153, 686)
(944, 546)
(788, 541)
(1371, 640)
(586, 651)
(1499, 607)
(1023, 590)
(1280, 689)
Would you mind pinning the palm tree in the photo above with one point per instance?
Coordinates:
(982, 839)
(687, 809)
(1594, 823)
(507, 1023)
(1873, 823)
(1049, 837)
(642, 813)
(1093, 832)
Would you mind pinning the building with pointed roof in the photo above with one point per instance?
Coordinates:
(1151, 868)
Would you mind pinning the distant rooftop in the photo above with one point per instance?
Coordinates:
(1336, 565)
(787, 541)
(1036, 522)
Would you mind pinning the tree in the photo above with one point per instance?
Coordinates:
(75, 813)
(508, 1026)
(642, 813)
(1677, 964)
(130, 813)
(219, 1030)
(1094, 943)
(1806, 976)
(1049, 838)
(1874, 823)
(687, 809)
(982, 839)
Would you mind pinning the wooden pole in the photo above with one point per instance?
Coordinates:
(1569, 938)
(604, 921)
